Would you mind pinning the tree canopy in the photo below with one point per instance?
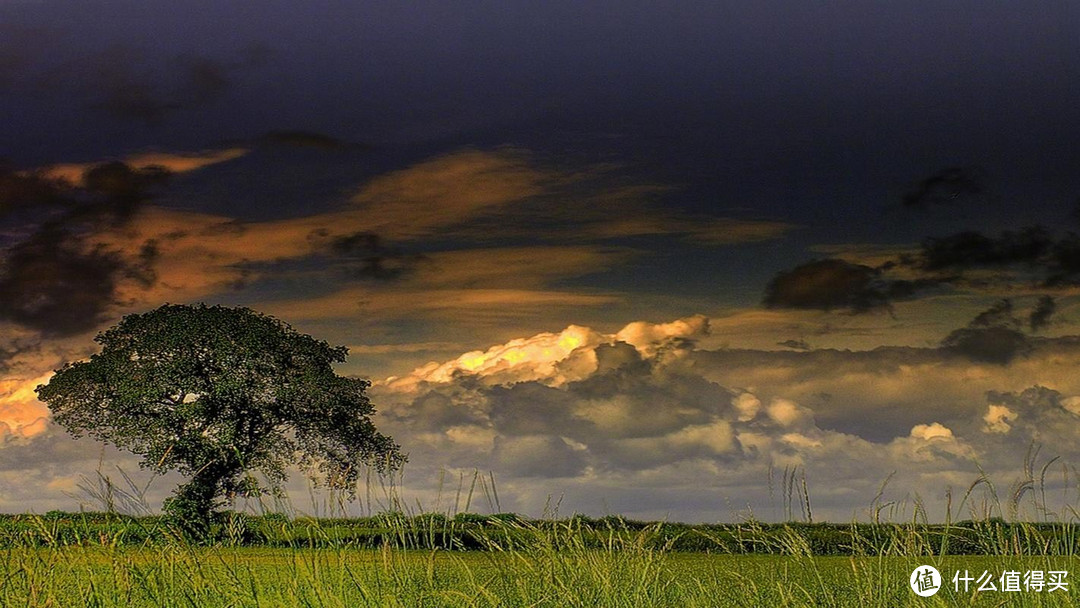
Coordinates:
(217, 394)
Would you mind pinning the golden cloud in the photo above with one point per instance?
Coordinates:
(446, 191)
(21, 414)
(171, 161)
(553, 358)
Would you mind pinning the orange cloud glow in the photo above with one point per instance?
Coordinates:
(173, 162)
(22, 416)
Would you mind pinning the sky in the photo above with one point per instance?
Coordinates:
(619, 257)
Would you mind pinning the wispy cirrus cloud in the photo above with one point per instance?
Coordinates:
(383, 232)
(173, 162)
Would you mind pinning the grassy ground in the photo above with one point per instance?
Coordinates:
(77, 576)
(415, 560)
(553, 565)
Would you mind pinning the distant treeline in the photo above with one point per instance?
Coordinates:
(467, 531)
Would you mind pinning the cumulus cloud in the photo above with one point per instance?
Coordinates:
(648, 338)
(22, 416)
(557, 358)
(997, 419)
(747, 406)
(646, 422)
(1036, 413)
(543, 356)
(929, 432)
(656, 417)
(789, 414)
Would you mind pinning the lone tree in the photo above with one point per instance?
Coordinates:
(218, 393)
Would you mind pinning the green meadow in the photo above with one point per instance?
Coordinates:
(397, 556)
(470, 560)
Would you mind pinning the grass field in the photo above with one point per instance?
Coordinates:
(388, 577)
(416, 559)
(520, 564)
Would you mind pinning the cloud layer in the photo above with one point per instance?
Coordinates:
(624, 419)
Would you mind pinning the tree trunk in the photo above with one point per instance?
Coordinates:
(193, 504)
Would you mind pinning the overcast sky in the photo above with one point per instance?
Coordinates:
(639, 258)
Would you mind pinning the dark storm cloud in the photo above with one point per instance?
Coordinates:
(12, 61)
(993, 336)
(20, 190)
(1041, 314)
(52, 284)
(368, 256)
(1064, 265)
(1052, 260)
(442, 409)
(121, 187)
(829, 284)
(950, 185)
(988, 345)
(56, 280)
(1031, 255)
(998, 315)
(971, 249)
(364, 255)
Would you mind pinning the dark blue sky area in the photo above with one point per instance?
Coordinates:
(819, 116)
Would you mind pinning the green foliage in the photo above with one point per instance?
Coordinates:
(218, 393)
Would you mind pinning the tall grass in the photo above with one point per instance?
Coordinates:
(401, 555)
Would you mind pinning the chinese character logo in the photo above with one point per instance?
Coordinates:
(925, 581)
